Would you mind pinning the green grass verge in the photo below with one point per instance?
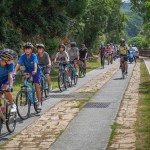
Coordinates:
(143, 112)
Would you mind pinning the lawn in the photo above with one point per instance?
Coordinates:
(143, 113)
(54, 73)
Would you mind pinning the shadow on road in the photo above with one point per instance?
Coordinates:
(118, 78)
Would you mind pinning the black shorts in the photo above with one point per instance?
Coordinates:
(125, 57)
(46, 70)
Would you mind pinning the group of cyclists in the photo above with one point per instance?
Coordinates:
(112, 52)
(33, 63)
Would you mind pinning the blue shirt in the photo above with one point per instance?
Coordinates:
(29, 63)
(4, 71)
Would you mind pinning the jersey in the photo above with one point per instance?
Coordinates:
(4, 71)
(29, 63)
(62, 56)
(73, 53)
(83, 53)
(123, 50)
(108, 49)
(44, 60)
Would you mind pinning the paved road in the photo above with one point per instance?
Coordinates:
(91, 129)
(48, 104)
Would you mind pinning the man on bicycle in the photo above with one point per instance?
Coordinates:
(83, 55)
(102, 52)
(123, 50)
(29, 60)
(73, 53)
(6, 75)
(44, 60)
(63, 57)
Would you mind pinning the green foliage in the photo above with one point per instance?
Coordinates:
(139, 41)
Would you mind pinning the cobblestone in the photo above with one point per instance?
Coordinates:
(125, 138)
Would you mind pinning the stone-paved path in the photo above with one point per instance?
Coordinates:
(44, 131)
(91, 129)
(125, 138)
(147, 63)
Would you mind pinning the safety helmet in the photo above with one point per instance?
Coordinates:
(123, 40)
(8, 54)
(73, 44)
(40, 46)
(83, 45)
(28, 45)
(62, 46)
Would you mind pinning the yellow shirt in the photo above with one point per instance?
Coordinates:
(123, 50)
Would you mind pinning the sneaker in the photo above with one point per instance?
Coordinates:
(39, 106)
(126, 72)
(13, 108)
(69, 79)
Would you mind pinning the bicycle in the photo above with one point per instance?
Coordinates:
(44, 83)
(26, 97)
(123, 68)
(82, 69)
(6, 116)
(72, 71)
(63, 82)
(108, 58)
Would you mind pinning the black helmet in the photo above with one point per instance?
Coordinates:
(83, 45)
(8, 54)
(73, 44)
(28, 45)
(40, 46)
(62, 46)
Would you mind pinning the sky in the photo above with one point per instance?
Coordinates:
(126, 0)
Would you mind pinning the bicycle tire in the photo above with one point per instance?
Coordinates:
(75, 79)
(70, 72)
(123, 71)
(1, 124)
(61, 80)
(103, 62)
(25, 103)
(42, 90)
(11, 119)
(46, 90)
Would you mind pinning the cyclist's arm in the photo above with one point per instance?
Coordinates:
(17, 68)
(35, 67)
(10, 79)
(49, 62)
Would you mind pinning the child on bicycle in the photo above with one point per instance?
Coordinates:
(29, 60)
(6, 75)
(44, 60)
(63, 57)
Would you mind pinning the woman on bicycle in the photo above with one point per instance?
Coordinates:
(44, 60)
(63, 57)
(83, 55)
(6, 75)
(29, 60)
(73, 53)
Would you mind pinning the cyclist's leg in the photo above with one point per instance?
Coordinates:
(76, 66)
(121, 60)
(85, 64)
(47, 75)
(36, 80)
(126, 63)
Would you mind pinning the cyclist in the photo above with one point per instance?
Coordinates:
(63, 57)
(73, 53)
(6, 74)
(102, 52)
(108, 51)
(83, 54)
(44, 60)
(131, 50)
(123, 50)
(29, 60)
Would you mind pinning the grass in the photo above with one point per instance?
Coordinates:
(114, 127)
(143, 112)
(54, 73)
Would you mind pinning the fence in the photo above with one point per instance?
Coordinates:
(145, 53)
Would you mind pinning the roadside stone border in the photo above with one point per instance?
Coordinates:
(125, 137)
(97, 82)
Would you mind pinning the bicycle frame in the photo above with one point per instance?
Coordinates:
(43, 78)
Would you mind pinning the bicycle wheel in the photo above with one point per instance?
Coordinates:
(75, 79)
(1, 124)
(23, 105)
(80, 71)
(46, 90)
(103, 62)
(61, 83)
(123, 71)
(42, 90)
(11, 119)
(70, 72)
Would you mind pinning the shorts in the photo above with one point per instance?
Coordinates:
(5, 82)
(125, 57)
(36, 77)
(63, 66)
(46, 70)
